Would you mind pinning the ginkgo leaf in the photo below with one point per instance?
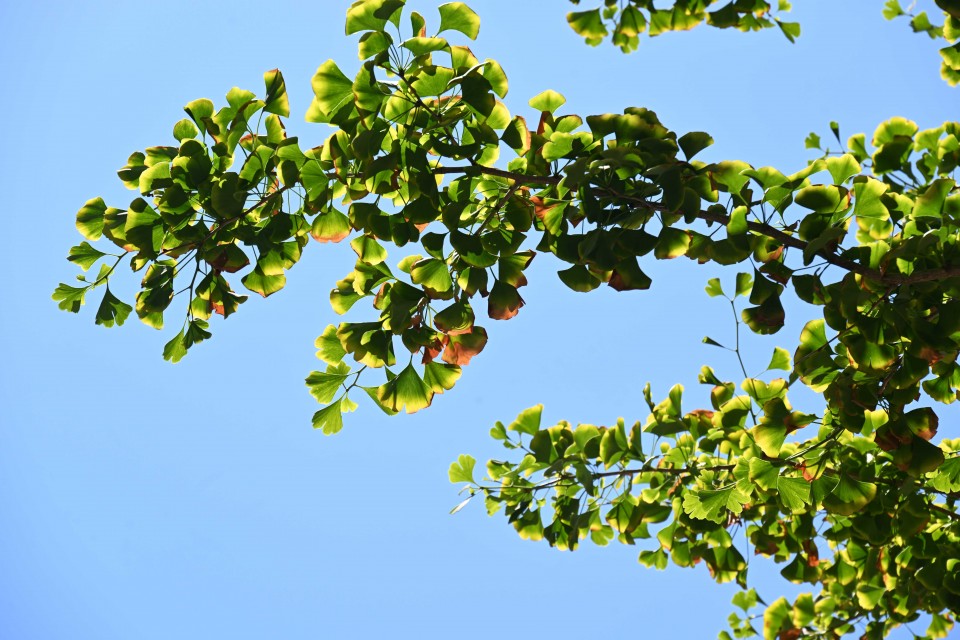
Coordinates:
(462, 469)
(794, 493)
(325, 385)
(329, 419)
(459, 17)
(715, 504)
(328, 346)
(406, 392)
(112, 310)
(780, 359)
(528, 421)
(849, 496)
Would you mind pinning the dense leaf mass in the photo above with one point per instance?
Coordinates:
(858, 500)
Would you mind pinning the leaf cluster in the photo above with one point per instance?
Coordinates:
(858, 499)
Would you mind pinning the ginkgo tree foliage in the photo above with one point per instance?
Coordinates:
(857, 500)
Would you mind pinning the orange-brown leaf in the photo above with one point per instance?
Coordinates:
(460, 349)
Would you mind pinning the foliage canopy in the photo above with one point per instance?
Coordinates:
(858, 500)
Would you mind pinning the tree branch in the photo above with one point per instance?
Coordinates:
(942, 510)
(763, 229)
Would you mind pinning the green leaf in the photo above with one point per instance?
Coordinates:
(714, 504)
(549, 101)
(200, 111)
(869, 594)
(869, 356)
(822, 198)
(794, 494)
(867, 202)
(892, 9)
(790, 29)
(184, 130)
(372, 43)
(112, 310)
(406, 392)
(331, 91)
(432, 80)
(462, 469)
(745, 600)
(276, 98)
(528, 421)
(259, 282)
(842, 167)
(440, 377)
(657, 559)
(69, 298)
(329, 419)
(628, 276)
(496, 76)
(588, 24)
(694, 142)
(456, 319)
(373, 392)
(744, 284)
(372, 15)
(433, 275)
(812, 141)
(780, 359)
(776, 616)
(84, 255)
(328, 346)
(368, 249)
(769, 436)
(930, 203)
(421, 45)
(737, 225)
(330, 226)
(951, 56)
(459, 17)
(174, 350)
(324, 386)
(713, 288)
(947, 478)
(579, 278)
(90, 218)
(849, 496)
(671, 243)
(763, 474)
(766, 318)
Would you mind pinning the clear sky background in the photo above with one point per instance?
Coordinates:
(140, 499)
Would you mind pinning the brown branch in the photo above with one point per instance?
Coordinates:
(942, 510)
(669, 471)
(559, 481)
(520, 178)
(791, 241)
(764, 229)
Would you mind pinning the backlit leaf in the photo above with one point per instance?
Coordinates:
(406, 392)
(459, 17)
(329, 419)
(549, 101)
(715, 504)
(462, 469)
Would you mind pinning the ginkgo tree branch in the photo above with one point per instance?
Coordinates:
(760, 228)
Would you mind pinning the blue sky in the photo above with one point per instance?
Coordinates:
(147, 500)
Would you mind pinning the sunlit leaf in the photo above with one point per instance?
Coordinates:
(462, 469)
(459, 17)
